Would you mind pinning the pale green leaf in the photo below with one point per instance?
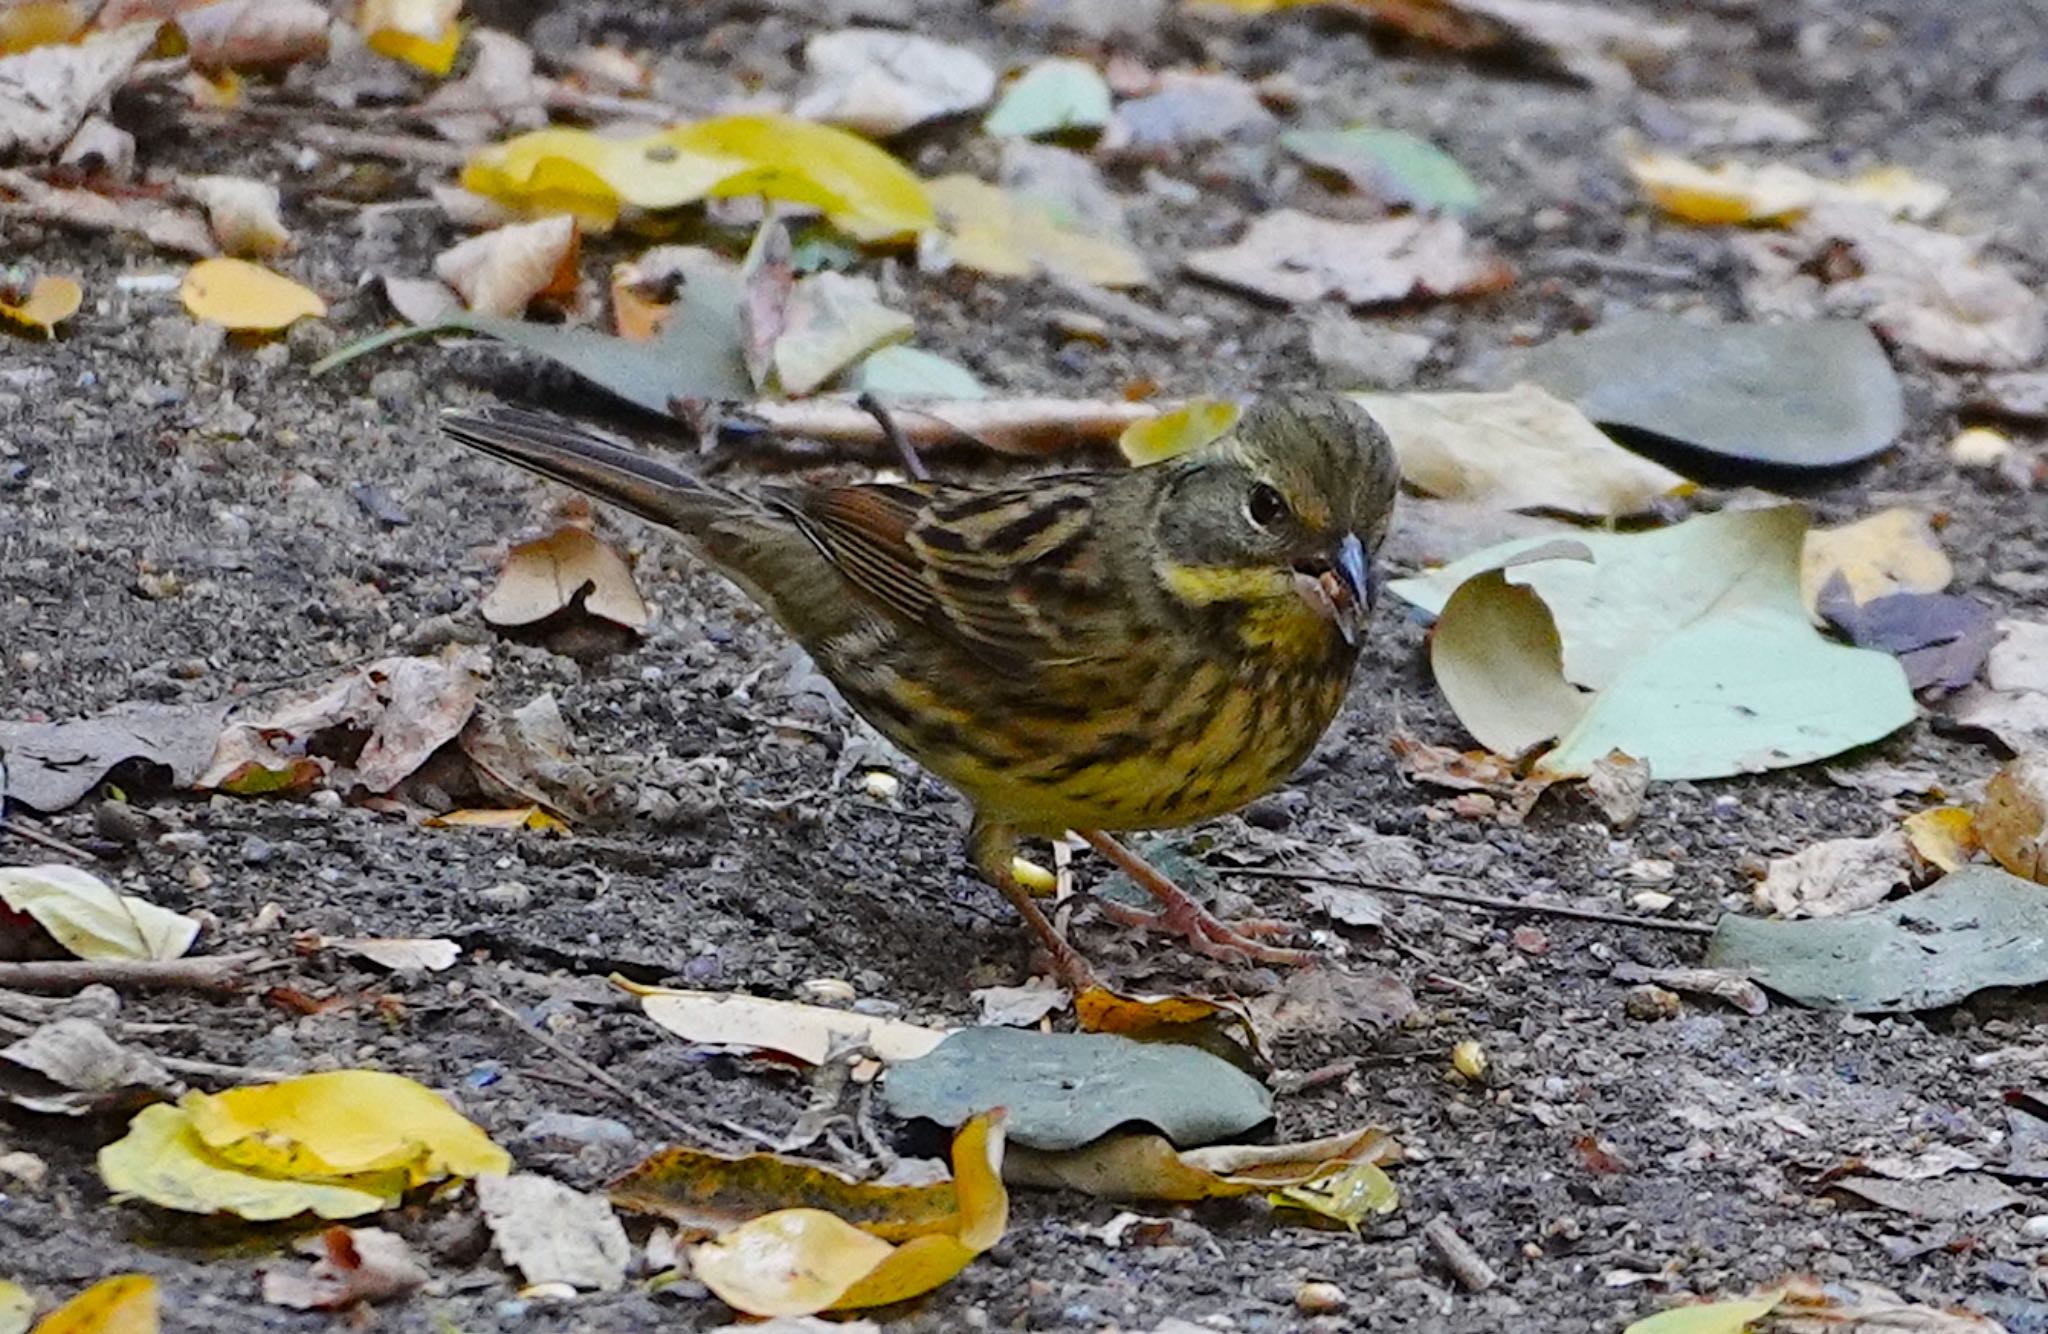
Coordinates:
(1709, 1318)
(1051, 96)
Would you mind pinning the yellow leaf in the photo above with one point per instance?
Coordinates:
(17, 1308)
(1730, 192)
(1171, 433)
(422, 33)
(35, 23)
(519, 817)
(1033, 877)
(1100, 1010)
(1944, 837)
(161, 1159)
(245, 296)
(802, 1261)
(49, 303)
(993, 231)
(708, 1193)
(1708, 1317)
(1144, 1165)
(343, 1123)
(861, 189)
(1347, 1198)
(1892, 551)
(124, 1304)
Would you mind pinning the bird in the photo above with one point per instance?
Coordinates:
(1101, 652)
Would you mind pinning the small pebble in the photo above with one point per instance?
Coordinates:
(1979, 447)
(509, 894)
(2035, 1228)
(1320, 1299)
(118, 822)
(182, 840)
(257, 851)
(578, 1129)
(1651, 1003)
(881, 785)
(826, 991)
(1468, 1058)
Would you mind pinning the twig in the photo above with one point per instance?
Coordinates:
(1117, 306)
(1458, 1256)
(1027, 427)
(1288, 1082)
(1483, 901)
(20, 828)
(384, 144)
(601, 1076)
(217, 972)
(912, 463)
(233, 1074)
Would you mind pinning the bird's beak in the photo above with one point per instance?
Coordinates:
(1340, 586)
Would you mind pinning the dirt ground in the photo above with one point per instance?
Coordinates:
(136, 447)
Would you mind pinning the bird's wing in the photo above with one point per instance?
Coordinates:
(1014, 574)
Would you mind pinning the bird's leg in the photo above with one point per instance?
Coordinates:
(992, 847)
(1205, 932)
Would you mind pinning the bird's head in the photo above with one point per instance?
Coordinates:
(1281, 514)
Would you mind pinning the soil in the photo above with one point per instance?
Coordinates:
(179, 520)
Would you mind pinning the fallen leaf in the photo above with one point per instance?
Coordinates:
(1730, 1317)
(245, 297)
(1936, 1160)
(1194, 424)
(90, 920)
(1810, 1307)
(1397, 169)
(1471, 771)
(1940, 639)
(520, 817)
(529, 756)
(801, 1032)
(1947, 1199)
(244, 214)
(1518, 450)
(1618, 784)
(553, 1234)
(1140, 1166)
(1063, 1090)
(420, 300)
(880, 83)
(1944, 838)
(1053, 97)
(124, 1304)
(1013, 235)
(2012, 820)
(706, 1194)
(801, 1261)
(1837, 876)
(70, 1067)
(1184, 114)
(1019, 1007)
(504, 271)
(2013, 705)
(159, 223)
(1773, 193)
(1932, 291)
(900, 372)
(1970, 930)
(1721, 983)
(24, 26)
(860, 188)
(1293, 257)
(161, 1159)
(1801, 394)
(399, 954)
(1692, 640)
(46, 93)
(422, 33)
(1348, 1198)
(832, 320)
(350, 1265)
(498, 93)
(48, 303)
(53, 765)
(570, 568)
(225, 35)
(1892, 551)
(17, 1308)
(1100, 1010)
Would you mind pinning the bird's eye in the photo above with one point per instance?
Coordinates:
(1266, 506)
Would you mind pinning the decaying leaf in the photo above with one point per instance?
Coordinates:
(340, 1145)
(1136, 1165)
(528, 757)
(1812, 1307)
(1347, 1198)
(124, 1304)
(801, 1032)
(801, 1261)
(350, 1265)
(1521, 450)
(244, 214)
(398, 953)
(70, 1067)
(1840, 875)
(1295, 258)
(47, 92)
(88, 918)
(1472, 771)
(2012, 820)
(569, 568)
(159, 223)
(1944, 837)
(50, 301)
(246, 297)
(424, 33)
(502, 272)
(552, 1233)
(880, 83)
(52, 765)
(1892, 551)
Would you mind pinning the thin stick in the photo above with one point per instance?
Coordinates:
(912, 464)
(1483, 901)
(21, 829)
(1458, 1256)
(218, 972)
(601, 1076)
(1029, 427)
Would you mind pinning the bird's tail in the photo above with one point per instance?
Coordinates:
(564, 452)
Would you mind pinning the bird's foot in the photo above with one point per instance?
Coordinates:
(1179, 913)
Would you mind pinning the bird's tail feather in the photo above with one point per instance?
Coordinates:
(564, 452)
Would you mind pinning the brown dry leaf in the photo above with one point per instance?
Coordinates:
(529, 756)
(1945, 837)
(801, 1032)
(523, 817)
(504, 271)
(26, 24)
(1932, 291)
(234, 34)
(570, 567)
(1142, 1165)
(70, 1067)
(499, 94)
(350, 1265)
(407, 708)
(422, 33)
(706, 1194)
(245, 297)
(2012, 820)
(1852, 1306)
(156, 222)
(46, 93)
(47, 304)
(1293, 257)
(1100, 1010)
(1840, 875)
(243, 213)
(1469, 771)
(1892, 551)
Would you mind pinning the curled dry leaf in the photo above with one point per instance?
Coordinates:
(1840, 875)
(52, 765)
(88, 918)
(158, 223)
(1295, 258)
(243, 213)
(70, 1067)
(245, 297)
(46, 93)
(350, 1265)
(569, 568)
(802, 1032)
(423, 33)
(504, 271)
(529, 757)
(45, 305)
(1944, 838)
(1470, 771)
(2012, 820)
(1617, 785)
(1142, 1166)
(499, 93)
(706, 1194)
(880, 83)
(234, 34)
(1347, 1198)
